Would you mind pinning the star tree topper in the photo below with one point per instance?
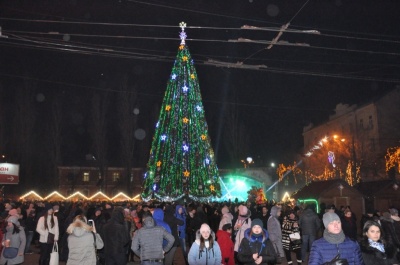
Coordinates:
(182, 35)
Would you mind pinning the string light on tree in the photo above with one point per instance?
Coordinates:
(181, 143)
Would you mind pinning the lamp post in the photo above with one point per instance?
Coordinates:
(246, 163)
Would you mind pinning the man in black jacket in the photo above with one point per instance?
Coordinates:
(173, 222)
(115, 237)
(309, 223)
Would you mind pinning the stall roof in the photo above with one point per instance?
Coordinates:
(315, 189)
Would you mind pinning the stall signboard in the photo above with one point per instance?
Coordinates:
(9, 173)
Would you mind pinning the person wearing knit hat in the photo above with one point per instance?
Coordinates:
(333, 242)
(241, 225)
(256, 248)
(291, 241)
(329, 217)
(226, 218)
(205, 250)
(257, 222)
(13, 212)
(13, 219)
(14, 239)
(275, 230)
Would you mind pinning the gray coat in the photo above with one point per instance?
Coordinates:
(148, 241)
(81, 244)
(16, 241)
(275, 231)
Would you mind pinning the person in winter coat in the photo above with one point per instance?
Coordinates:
(115, 237)
(47, 227)
(290, 227)
(173, 222)
(374, 249)
(205, 250)
(14, 237)
(81, 241)
(193, 223)
(256, 248)
(226, 218)
(349, 225)
(180, 213)
(388, 229)
(148, 242)
(334, 247)
(226, 244)
(158, 216)
(275, 231)
(310, 224)
(242, 223)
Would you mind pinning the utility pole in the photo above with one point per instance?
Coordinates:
(353, 165)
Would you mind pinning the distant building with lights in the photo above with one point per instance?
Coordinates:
(354, 133)
(235, 182)
(88, 180)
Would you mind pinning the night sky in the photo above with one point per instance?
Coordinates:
(69, 50)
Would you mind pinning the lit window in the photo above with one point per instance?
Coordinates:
(86, 176)
(115, 176)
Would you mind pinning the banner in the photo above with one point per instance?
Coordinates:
(9, 173)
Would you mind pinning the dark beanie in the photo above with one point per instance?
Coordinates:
(48, 206)
(256, 222)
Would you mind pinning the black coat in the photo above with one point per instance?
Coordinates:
(373, 256)
(248, 247)
(173, 222)
(115, 235)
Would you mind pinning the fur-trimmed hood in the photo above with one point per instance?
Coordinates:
(247, 235)
(79, 228)
(198, 235)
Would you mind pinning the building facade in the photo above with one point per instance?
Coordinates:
(88, 180)
(358, 134)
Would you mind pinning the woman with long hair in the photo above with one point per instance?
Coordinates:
(374, 249)
(14, 237)
(47, 227)
(205, 250)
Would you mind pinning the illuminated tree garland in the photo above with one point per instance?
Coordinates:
(181, 159)
(392, 158)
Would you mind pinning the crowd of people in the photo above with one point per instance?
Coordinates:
(203, 233)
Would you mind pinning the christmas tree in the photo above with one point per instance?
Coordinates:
(182, 161)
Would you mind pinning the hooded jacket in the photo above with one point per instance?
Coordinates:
(158, 216)
(181, 228)
(115, 235)
(81, 244)
(226, 245)
(173, 222)
(226, 218)
(260, 245)
(148, 242)
(275, 230)
(241, 225)
(207, 256)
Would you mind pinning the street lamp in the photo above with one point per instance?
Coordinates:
(249, 160)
